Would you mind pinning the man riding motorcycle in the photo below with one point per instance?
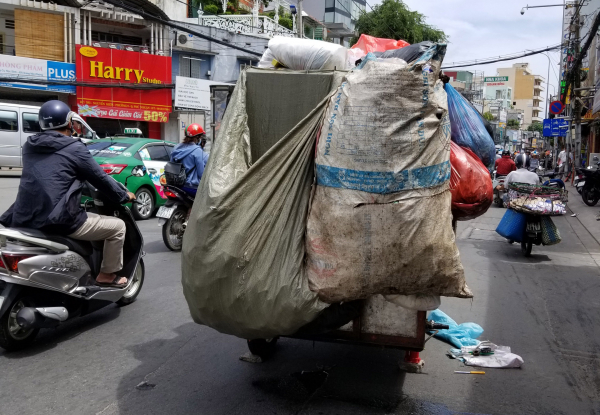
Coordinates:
(505, 164)
(55, 167)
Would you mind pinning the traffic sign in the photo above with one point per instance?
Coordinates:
(556, 127)
(556, 107)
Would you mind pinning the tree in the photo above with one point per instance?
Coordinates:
(393, 20)
(536, 126)
(488, 116)
(513, 124)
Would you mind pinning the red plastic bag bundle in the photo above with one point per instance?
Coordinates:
(377, 44)
(470, 184)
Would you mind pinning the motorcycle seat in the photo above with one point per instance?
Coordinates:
(83, 248)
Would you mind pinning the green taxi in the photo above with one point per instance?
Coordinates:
(119, 155)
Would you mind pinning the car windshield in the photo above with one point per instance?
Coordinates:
(109, 149)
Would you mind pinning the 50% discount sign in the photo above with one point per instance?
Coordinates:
(156, 116)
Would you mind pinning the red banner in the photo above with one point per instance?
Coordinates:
(113, 66)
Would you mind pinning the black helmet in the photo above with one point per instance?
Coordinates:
(506, 153)
(522, 161)
(54, 114)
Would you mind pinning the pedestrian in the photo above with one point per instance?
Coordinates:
(561, 162)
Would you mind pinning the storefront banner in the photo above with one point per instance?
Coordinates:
(114, 67)
(192, 93)
(19, 70)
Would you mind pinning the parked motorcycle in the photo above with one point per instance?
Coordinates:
(499, 190)
(173, 216)
(590, 189)
(46, 279)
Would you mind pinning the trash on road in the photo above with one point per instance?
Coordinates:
(458, 335)
(472, 372)
(499, 357)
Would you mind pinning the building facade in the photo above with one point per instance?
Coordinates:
(526, 92)
(338, 16)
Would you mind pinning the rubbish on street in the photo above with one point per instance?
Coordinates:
(473, 372)
(468, 129)
(499, 356)
(575, 214)
(359, 242)
(470, 184)
(458, 335)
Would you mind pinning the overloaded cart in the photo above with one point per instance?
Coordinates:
(325, 210)
(528, 218)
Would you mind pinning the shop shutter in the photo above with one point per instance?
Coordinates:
(39, 35)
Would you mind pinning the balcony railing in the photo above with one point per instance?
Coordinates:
(537, 119)
(540, 87)
(245, 23)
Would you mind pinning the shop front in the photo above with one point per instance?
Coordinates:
(126, 90)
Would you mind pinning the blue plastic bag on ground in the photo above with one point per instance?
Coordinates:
(512, 225)
(458, 335)
(467, 129)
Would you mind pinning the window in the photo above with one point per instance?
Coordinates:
(158, 153)
(9, 121)
(107, 150)
(189, 66)
(329, 16)
(116, 38)
(498, 94)
(329, 3)
(169, 150)
(31, 123)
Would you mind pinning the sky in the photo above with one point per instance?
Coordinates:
(489, 28)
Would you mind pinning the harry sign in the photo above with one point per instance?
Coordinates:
(118, 67)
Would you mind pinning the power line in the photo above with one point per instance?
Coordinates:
(500, 59)
(143, 13)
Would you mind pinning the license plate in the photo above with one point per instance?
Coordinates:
(165, 212)
(580, 184)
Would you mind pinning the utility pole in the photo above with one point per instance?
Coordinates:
(299, 25)
(576, 103)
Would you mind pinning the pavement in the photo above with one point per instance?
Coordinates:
(150, 358)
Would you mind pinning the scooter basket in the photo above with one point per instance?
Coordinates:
(550, 233)
(175, 174)
(512, 225)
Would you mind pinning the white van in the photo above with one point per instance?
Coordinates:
(17, 122)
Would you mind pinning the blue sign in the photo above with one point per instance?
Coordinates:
(555, 127)
(17, 70)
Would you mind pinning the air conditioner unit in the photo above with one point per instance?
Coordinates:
(184, 41)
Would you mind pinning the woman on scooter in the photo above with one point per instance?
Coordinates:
(192, 156)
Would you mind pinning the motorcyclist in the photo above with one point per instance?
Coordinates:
(55, 166)
(505, 164)
(192, 156)
(522, 174)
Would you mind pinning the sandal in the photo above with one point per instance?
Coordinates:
(113, 283)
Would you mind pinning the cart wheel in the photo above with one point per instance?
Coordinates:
(526, 246)
(264, 348)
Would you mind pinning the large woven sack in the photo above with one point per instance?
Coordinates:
(380, 220)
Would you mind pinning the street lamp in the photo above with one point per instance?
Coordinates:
(537, 7)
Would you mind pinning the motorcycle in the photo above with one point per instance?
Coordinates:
(46, 279)
(499, 190)
(533, 234)
(590, 189)
(173, 216)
